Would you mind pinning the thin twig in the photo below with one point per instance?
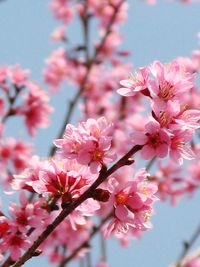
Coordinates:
(88, 259)
(187, 246)
(89, 65)
(11, 101)
(103, 248)
(104, 174)
(150, 164)
(94, 231)
(84, 244)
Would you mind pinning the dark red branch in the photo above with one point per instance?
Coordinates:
(104, 174)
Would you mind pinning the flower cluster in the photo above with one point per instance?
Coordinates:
(16, 232)
(132, 202)
(78, 182)
(172, 124)
(14, 157)
(89, 143)
(24, 98)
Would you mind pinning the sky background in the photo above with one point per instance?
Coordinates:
(162, 32)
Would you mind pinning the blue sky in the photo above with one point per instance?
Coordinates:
(162, 32)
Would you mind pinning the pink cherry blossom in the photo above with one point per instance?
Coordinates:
(57, 179)
(102, 264)
(3, 74)
(18, 76)
(14, 157)
(27, 215)
(193, 263)
(137, 82)
(62, 10)
(14, 242)
(132, 203)
(36, 109)
(179, 148)
(155, 141)
(104, 9)
(89, 143)
(57, 68)
(170, 82)
(4, 226)
(58, 34)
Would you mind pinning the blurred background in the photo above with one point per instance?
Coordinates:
(163, 31)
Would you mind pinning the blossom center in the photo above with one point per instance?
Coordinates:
(16, 240)
(97, 155)
(166, 92)
(121, 198)
(164, 120)
(5, 153)
(154, 139)
(22, 219)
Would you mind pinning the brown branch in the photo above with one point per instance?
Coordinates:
(85, 23)
(150, 163)
(11, 101)
(94, 231)
(89, 65)
(187, 246)
(104, 174)
(84, 244)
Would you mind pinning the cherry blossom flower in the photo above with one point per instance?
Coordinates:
(14, 242)
(63, 179)
(18, 76)
(57, 68)
(4, 226)
(89, 143)
(28, 214)
(132, 203)
(155, 141)
(179, 148)
(137, 82)
(102, 264)
(193, 263)
(14, 157)
(62, 10)
(58, 34)
(35, 109)
(171, 82)
(3, 74)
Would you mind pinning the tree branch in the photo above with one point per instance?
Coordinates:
(187, 246)
(89, 65)
(84, 244)
(104, 174)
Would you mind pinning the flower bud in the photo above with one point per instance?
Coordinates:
(100, 194)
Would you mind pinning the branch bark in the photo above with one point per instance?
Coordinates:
(89, 65)
(104, 174)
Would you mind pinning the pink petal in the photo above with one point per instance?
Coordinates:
(139, 138)
(125, 92)
(121, 212)
(135, 202)
(162, 151)
(147, 152)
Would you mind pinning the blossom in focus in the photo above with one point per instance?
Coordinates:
(89, 143)
(137, 82)
(179, 148)
(154, 139)
(170, 82)
(132, 203)
(63, 179)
